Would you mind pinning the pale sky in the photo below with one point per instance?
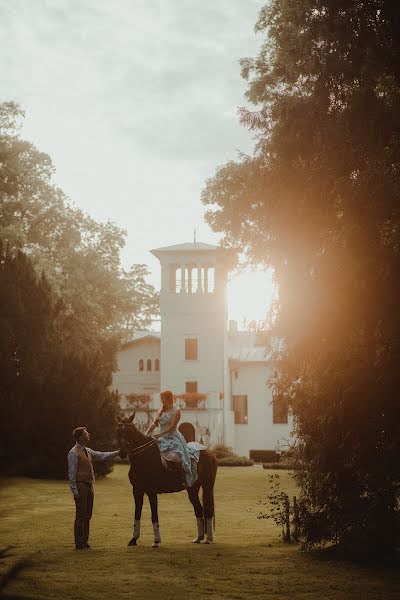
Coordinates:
(136, 102)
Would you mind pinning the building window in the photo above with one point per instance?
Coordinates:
(149, 364)
(190, 349)
(239, 407)
(191, 387)
(141, 364)
(157, 364)
(280, 410)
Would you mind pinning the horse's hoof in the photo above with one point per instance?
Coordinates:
(208, 541)
(155, 545)
(198, 540)
(133, 542)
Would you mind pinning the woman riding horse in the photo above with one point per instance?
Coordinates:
(149, 476)
(172, 444)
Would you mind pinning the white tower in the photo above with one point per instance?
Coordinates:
(193, 310)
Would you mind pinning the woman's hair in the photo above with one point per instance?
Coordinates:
(167, 395)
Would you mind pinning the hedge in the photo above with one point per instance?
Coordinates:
(235, 461)
(275, 465)
(267, 456)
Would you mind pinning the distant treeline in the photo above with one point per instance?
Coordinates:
(65, 305)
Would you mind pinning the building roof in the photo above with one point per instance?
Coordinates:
(186, 247)
(143, 336)
(250, 354)
(236, 353)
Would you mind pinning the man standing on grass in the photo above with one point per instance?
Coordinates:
(81, 479)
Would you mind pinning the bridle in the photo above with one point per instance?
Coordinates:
(140, 449)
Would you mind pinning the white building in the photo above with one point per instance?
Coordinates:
(218, 374)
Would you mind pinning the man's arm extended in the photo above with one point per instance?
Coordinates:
(72, 472)
(102, 455)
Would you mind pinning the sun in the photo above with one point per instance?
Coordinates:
(250, 295)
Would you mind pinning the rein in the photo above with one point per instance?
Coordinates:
(139, 449)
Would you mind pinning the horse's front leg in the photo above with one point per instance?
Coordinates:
(138, 496)
(153, 499)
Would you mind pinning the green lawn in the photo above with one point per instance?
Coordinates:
(246, 560)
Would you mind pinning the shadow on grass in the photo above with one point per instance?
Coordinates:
(374, 563)
(11, 573)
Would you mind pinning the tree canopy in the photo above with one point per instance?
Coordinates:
(66, 303)
(318, 200)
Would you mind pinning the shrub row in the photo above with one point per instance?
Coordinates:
(235, 461)
(275, 465)
(267, 456)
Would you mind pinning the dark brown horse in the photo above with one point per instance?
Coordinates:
(149, 476)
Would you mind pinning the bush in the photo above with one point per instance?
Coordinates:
(103, 467)
(221, 451)
(267, 456)
(235, 461)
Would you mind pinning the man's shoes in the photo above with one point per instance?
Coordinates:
(87, 545)
(81, 547)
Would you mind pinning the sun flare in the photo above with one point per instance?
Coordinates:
(250, 296)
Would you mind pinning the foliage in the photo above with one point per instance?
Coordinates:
(318, 201)
(274, 504)
(222, 451)
(45, 392)
(278, 507)
(65, 304)
(81, 258)
(235, 461)
(264, 455)
(227, 458)
(280, 466)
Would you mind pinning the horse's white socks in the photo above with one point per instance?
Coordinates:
(136, 529)
(200, 530)
(209, 531)
(157, 536)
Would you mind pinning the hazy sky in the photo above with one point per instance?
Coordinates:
(135, 101)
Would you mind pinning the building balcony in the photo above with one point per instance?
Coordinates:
(191, 401)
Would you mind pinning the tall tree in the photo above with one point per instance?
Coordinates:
(65, 304)
(81, 258)
(319, 201)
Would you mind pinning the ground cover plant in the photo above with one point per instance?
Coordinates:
(246, 560)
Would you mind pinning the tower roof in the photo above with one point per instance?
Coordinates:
(186, 248)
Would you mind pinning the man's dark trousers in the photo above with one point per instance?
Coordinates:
(84, 508)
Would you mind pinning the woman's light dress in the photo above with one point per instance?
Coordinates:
(174, 447)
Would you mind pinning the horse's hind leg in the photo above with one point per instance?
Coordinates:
(208, 504)
(154, 519)
(193, 494)
(138, 496)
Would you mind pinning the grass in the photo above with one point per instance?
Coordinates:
(246, 561)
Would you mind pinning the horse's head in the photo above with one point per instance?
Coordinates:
(128, 434)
